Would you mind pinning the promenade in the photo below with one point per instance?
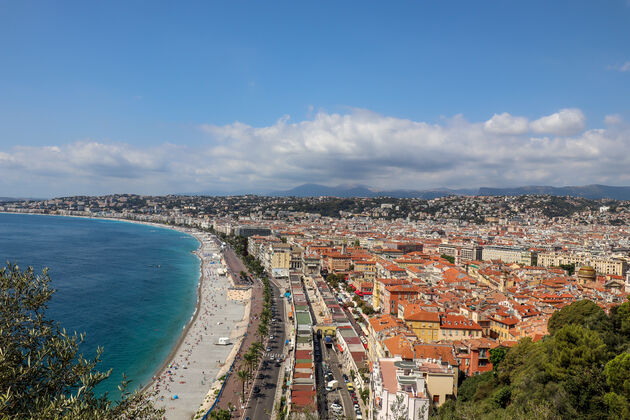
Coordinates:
(231, 396)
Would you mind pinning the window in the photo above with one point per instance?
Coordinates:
(436, 399)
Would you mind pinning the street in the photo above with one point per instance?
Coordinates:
(260, 405)
(341, 394)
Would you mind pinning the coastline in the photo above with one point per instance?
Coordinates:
(205, 390)
(171, 355)
(197, 252)
(189, 375)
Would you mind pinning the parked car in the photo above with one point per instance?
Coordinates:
(336, 407)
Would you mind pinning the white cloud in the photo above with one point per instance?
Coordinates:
(507, 124)
(622, 67)
(563, 123)
(614, 119)
(358, 147)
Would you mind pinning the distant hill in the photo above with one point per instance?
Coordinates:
(317, 190)
(9, 199)
(593, 192)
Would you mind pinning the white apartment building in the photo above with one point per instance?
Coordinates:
(613, 266)
(398, 389)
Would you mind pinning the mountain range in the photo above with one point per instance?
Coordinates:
(593, 192)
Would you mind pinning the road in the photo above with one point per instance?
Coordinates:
(342, 394)
(260, 405)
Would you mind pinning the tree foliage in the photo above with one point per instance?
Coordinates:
(497, 355)
(42, 374)
(570, 268)
(585, 313)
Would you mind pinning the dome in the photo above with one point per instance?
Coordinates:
(587, 273)
(586, 270)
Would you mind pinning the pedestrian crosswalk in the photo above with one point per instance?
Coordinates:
(276, 356)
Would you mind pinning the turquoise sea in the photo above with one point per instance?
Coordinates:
(131, 288)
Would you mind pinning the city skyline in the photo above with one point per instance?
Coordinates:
(119, 98)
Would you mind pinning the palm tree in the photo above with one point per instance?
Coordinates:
(265, 314)
(262, 331)
(256, 347)
(243, 375)
(250, 359)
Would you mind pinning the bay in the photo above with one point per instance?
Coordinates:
(130, 287)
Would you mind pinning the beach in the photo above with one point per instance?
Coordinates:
(184, 385)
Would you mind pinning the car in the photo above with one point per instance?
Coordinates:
(278, 364)
(272, 357)
(350, 386)
(268, 348)
(271, 337)
(356, 407)
(345, 378)
(336, 407)
(256, 390)
(261, 376)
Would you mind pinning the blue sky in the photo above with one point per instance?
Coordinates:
(162, 97)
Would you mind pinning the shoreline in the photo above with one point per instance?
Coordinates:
(169, 360)
(182, 337)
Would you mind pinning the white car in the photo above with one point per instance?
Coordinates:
(336, 407)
